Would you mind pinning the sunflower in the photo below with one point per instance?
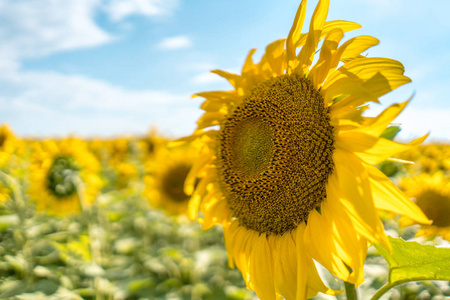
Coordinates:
(165, 178)
(9, 145)
(149, 144)
(288, 166)
(55, 170)
(432, 194)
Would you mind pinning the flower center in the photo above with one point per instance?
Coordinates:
(173, 182)
(60, 176)
(436, 207)
(275, 155)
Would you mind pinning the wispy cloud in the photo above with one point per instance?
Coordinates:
(121, 9)
(176, 42)
(40, 27)
(68, 102)
(206, 78)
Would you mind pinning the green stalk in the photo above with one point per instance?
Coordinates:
(94, 241)
(16, 194)
(385, 288)
(350, 291)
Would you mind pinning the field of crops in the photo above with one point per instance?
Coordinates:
(107, 219)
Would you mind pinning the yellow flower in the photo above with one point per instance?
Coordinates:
(125, 173)
(432, 195)
(166, 174)
(9, 145)
(290, 172)
(55, 172)
(429, 158)
(150, 144)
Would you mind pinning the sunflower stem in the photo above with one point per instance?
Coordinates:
(385, 288)
(350, 291)
(94, 240)
(17, 196)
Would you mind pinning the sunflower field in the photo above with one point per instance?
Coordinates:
(106, 219)
(287, 189)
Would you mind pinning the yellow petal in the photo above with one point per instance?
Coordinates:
(384, 149)
(315, 30)
(319, 72)
(302, 263)
(215, 210)
(345, 26)
(365, 79)
(355, 46)
(378, 125)
(388, 197)
(189, 182)
(295, 32)
(234, 79)
(285, 266)
(196, 198)
(353, 247)
(322, 246)
(354, 141)
(209, 119)
(249, 66)
(357, 196)
(213, 106)
(275, 56)
(261, 269)
(316, 284)
(220, 96)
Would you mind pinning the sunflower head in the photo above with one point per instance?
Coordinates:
(60, 173)
(287, 158)
(165, 177)
(9, 144)
(60, 176)
(281, 134)
(5, 135)
(432, 194)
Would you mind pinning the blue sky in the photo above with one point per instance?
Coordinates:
(112, 67)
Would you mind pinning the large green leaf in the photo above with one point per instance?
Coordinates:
(413, 261)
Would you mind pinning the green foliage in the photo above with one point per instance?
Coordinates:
(119, 249)
(414, 261)
(411, 261)
(390, 132)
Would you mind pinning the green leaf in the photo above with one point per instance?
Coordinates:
(410, 260)
(390, 132)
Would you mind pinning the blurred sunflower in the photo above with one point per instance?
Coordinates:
(9, 145)
(432, 194)
(290, 172)
(55, 173)
(150, 144)
(166, 174)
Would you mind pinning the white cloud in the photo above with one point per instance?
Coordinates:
(35, 28)
(48, 103)
(176, 42)
(206, 78)
(121, 9)
(39, 27)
